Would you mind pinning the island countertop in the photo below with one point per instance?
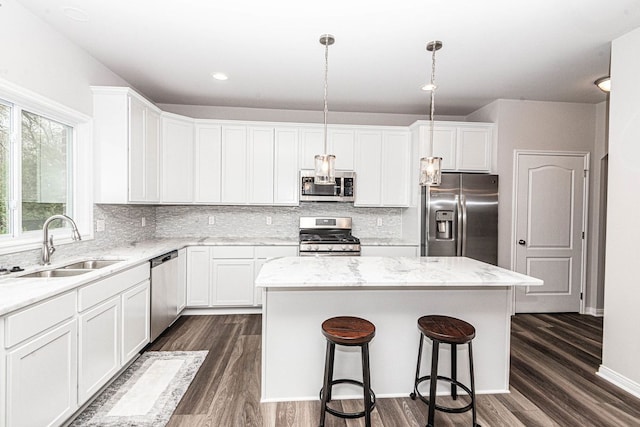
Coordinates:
(296, 272)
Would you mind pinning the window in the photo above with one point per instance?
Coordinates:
(46, 160)
(36, 175)
(5, 134)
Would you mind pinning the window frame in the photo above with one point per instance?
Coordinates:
(81, 209)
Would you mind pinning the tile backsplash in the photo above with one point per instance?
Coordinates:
(123, 224)
(253, 221)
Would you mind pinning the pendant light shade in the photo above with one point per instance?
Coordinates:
(325, 169)
(430, 171)
(325, 164)
(430, 167)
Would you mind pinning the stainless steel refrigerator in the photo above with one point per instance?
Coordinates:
(460, 217)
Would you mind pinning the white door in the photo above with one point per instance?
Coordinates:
(550, 217)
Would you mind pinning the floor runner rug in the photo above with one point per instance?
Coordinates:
(147, 393)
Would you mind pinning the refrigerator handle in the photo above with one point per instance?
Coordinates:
(463, 205)
(459, 236)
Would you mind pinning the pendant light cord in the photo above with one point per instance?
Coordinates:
(433, 94)
(326, 78)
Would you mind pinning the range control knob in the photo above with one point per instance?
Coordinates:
(329, 248)
(314, 247)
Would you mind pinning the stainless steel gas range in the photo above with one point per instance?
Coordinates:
(323, 236)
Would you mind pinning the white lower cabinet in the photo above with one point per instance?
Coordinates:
(198, 276)
(232, 281)
(263, 253)
(182, 280)
(58, 353)
(114, 326)
(399, 251)
(136, 312)
(42, 378)
(99, 352)
(224, 276)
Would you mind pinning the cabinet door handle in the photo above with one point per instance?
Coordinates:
(522, 242)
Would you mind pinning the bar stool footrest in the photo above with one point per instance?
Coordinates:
(416, 393)
(348, 415)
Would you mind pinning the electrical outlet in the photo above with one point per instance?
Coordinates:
(379, 222)
(143, 222)
(100, 225)
(268, 220)
(212, 220)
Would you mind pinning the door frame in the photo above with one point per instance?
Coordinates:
(585, 212)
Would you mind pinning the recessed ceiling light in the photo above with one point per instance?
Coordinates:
(604, 83)
(76, 14)
(220, 76)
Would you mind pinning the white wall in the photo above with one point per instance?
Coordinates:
(536, 125)
(621, 342)
(37, 58)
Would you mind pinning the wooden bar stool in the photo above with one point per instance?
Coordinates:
(348, 331)
(445, 330)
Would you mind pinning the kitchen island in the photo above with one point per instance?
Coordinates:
(299, 293)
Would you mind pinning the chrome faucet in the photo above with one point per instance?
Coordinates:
(47, 241)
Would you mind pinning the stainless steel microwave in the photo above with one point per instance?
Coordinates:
(342, 191)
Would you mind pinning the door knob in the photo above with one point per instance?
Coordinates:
(522, 242)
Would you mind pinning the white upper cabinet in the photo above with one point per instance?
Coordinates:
(126, 146)
(311, 143)
(396, 150)
(341, 143)
(382, 166)
(234, 165)
(260, 165)
(208, 162)
(368, 168)
(177, 159)
(285, 173)
(463, 146)
(474, 148)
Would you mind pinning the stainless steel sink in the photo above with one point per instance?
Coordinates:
(91, 264)
(74, 269)
(54, 273)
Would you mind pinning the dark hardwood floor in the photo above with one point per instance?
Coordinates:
(554, 358)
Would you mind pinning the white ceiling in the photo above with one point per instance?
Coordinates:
(548, 50)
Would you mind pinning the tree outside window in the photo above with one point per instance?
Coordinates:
(45, 166)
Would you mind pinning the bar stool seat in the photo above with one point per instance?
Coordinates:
(445, 330)
(347, 331)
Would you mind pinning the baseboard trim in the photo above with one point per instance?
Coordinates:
(208, 311)
(619, 380)
(597, 312)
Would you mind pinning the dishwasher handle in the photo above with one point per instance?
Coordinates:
(163, 258)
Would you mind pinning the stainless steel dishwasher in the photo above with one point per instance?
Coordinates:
(164, 292)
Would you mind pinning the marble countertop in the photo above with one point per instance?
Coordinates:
(16, 293)
(331, 272)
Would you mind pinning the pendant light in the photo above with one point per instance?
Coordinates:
(430, 167)
(325, 172)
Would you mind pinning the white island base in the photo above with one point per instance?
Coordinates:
(300, 293)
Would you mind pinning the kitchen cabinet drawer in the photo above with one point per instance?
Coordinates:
(104, 289)
(228, 252)
(276, 251)
(38, 318)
